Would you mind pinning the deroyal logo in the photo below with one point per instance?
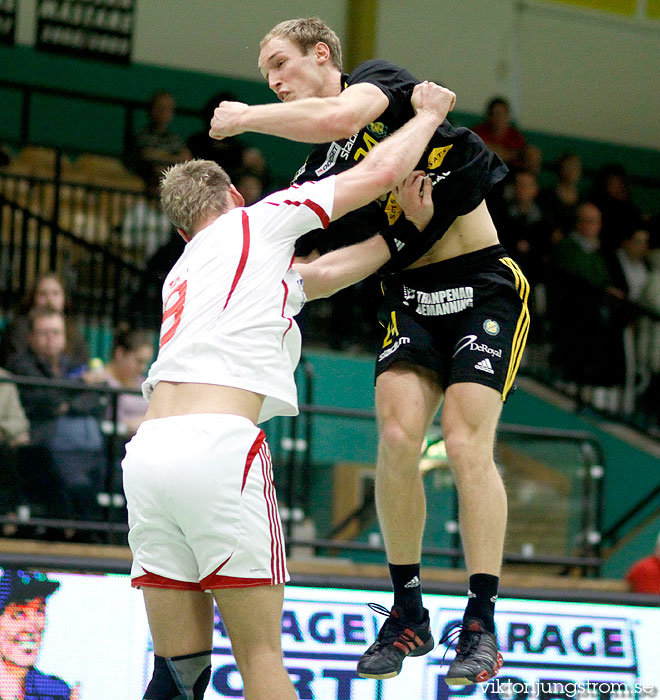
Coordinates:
(467, 341)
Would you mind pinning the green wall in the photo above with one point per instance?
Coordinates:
(345, 381)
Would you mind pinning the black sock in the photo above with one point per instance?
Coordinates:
(482, 595)
(407, 590)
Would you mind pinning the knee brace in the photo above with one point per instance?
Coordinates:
(180, 677)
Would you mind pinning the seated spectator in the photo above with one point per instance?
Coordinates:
(531, 159)
(14, 433)
(48, 292)
(14, 425)
(64, 424)
(629, 267)
(559, 202)
(644, 575)
(499, 133)
(227, 152)
(145, 227)
(523, 229)
(630, 272)
(156, 148)
(131, 356)
(249, 185)
(582, 304)
(254, 162)
(4, 155)
(145, 305)
(613, 196)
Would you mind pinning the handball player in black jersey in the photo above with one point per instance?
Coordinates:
(454, 313)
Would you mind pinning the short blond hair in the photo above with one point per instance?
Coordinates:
(192, 192)
(305, 33)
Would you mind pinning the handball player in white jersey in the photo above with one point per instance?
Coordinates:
(197, 475)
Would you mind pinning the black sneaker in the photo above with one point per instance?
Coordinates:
(397, 639)
(477, 654)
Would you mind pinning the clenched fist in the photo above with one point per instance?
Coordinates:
(429, 97)
(226, 119)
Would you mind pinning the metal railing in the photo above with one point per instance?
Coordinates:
(83, 232)
(296, 463)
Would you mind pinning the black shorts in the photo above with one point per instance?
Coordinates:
(466, 318)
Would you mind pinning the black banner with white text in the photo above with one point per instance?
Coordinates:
(98, 29)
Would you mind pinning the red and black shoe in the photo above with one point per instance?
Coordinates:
(477, 655)
(397, 639)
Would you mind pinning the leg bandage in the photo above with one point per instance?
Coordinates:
(180, 677)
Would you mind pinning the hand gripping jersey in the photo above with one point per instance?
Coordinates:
(229, 301)
(461, 167)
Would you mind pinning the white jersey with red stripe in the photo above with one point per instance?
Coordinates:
(229, 300)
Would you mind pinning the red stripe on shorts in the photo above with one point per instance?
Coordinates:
(276, 543)
(156, 581)
(256, 446)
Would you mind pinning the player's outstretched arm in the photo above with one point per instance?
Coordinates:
(393, 159)
(343, 267)
(309, 120)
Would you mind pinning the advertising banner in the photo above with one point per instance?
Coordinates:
(95, 638)
(100, 29)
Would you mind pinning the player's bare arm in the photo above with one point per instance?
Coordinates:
(308, 120)
(329, 273)
(341, 268)
(395, 157)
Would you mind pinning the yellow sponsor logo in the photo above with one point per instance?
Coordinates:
(437, 155)
(392, 209)
(378, 129)
(392, 330)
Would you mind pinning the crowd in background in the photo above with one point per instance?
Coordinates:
(591, 256)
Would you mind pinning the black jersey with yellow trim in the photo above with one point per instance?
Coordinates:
(456, 159)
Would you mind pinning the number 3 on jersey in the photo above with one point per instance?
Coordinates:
(173, 310)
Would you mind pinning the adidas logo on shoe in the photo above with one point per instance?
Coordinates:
(485, 366)
(413, 583)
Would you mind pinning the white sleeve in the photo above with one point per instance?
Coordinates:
(285, 215)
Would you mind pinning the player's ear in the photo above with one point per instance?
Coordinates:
(321, 52)
(186, 237)
(234, 198)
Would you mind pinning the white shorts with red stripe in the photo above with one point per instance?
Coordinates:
(202, 509)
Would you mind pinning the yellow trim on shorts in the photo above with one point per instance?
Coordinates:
(522, 327)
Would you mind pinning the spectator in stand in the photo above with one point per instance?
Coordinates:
(629, 267)
(156, 147)
(249, 185)
(14, 433)
(560, 202)
(131, 356)
(48, 292)
(145, 227)
(649, 333)
(531, 159)
(5, 157)
(227, 153)
(612, 195)
(644, 575)
(64, 424)
(499, 133)
(630, 272)
(523, 228)
(582, 299)
(14, 425)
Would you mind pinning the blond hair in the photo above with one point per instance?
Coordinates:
(305, 33)
(192, 192)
